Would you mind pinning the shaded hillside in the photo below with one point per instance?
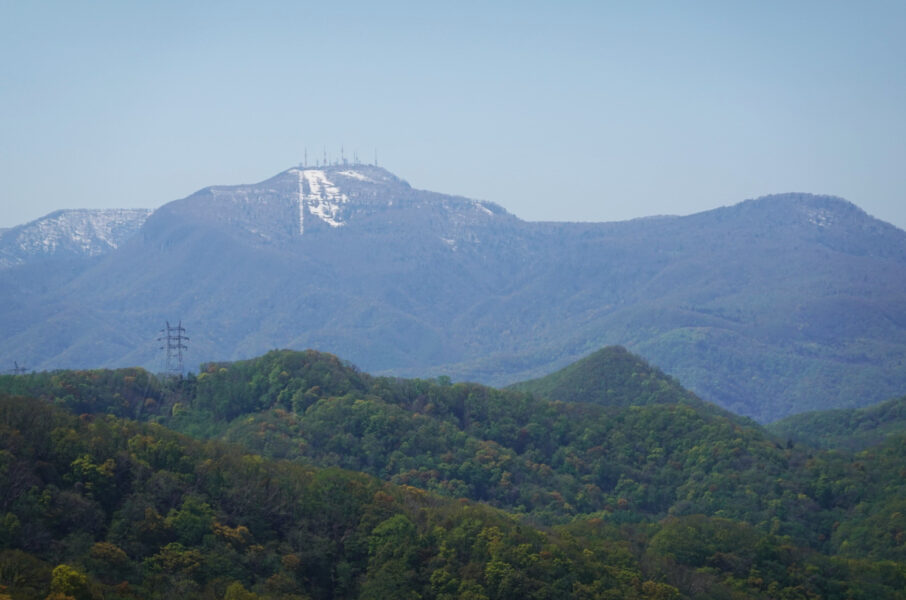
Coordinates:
(851, 429)
(770, 307)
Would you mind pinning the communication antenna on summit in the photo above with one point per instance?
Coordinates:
(325, 156)
(342, 155)
(173, 340)
(375, 157)
(305, 159)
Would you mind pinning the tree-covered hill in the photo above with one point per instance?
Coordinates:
(98, 507)
(549, 461)
(613, 376)
(850, 429)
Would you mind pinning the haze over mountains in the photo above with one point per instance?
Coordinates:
(770, 307)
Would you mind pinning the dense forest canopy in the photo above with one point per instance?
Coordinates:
(853, 429)
(295, 475)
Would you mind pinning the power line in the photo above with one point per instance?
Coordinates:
(174, 342)
(17, 370)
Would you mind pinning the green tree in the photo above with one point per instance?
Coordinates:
(192, 521)
(70, 582)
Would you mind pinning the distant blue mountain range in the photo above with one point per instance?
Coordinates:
(771, 307)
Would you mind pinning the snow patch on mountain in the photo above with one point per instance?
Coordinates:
(484, 208)
(356, 175)
(319, 197)
(79, 232)
(821, 217)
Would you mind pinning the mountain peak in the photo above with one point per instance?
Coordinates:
(322, 192)
(304, 200)
(820, 210)
(72, 232)
(611, 376)
(347, 173)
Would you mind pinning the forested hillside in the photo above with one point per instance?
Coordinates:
(670, 493)
(850, 429)
(108, 508)
(99, 507)
(615, 377)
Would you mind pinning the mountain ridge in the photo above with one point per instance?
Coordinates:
(772, 306)
(70, 233)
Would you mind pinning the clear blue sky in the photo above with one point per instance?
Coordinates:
(592, 111)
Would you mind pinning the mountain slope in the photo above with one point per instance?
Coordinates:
(69, 233)
(852, 429)
(550, 460)
(658, 466)
(126, 510)
(770, 307)
(611, 376)
(99, 507)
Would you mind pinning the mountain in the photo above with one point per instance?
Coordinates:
(770, 307)
(68, 234)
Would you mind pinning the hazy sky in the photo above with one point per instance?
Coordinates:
(556, 110)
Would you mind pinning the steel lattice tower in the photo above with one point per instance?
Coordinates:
(173, 340)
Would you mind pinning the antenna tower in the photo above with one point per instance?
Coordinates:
(173, 341)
